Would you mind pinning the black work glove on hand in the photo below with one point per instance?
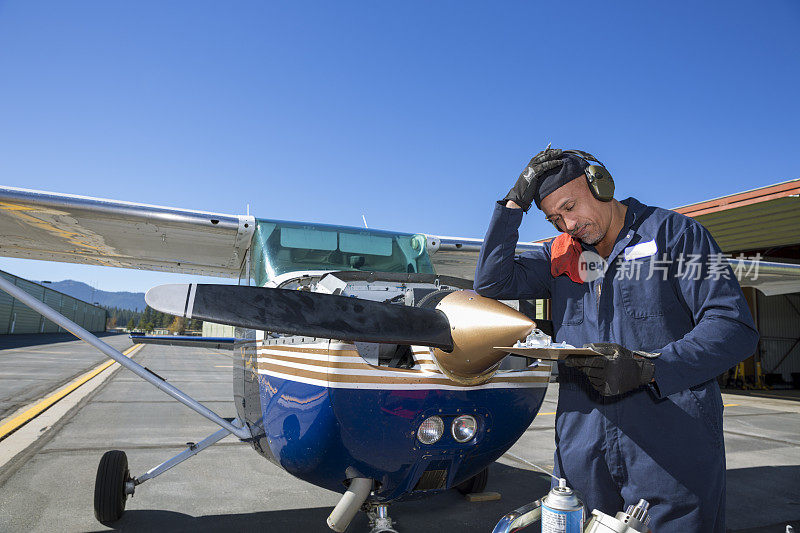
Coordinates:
(617, 371)
(528, 183)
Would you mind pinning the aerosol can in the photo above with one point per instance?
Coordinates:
(562, 510)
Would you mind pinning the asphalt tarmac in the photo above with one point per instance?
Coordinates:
(49, 486)
(22, 358)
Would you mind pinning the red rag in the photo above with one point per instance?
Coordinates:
(565, 256)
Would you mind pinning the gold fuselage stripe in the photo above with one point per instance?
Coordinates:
(309, 361)
(294, 355)
(321, 351)
(333, 364)
(386, 380)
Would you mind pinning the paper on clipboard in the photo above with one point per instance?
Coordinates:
(550, 354)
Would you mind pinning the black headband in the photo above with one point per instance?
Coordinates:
(574, 167)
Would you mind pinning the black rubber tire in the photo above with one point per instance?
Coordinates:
(109, 486)
(476, 483)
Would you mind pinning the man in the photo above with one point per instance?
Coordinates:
(643, 420)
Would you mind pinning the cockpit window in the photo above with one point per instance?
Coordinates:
(281, 247)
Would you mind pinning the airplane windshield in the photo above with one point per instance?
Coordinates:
(281, 247)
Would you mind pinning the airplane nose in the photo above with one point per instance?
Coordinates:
(477, 324)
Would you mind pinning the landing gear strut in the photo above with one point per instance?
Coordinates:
(379, 521)
(114, 482)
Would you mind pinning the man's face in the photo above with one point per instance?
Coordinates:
(573, 209)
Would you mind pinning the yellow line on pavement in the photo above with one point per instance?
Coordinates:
(9, 426)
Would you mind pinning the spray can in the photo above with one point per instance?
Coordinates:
(562, 510)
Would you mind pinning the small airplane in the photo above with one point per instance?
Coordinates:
(364, 363)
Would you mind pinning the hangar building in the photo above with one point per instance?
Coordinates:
(16, 317)
(763, 222)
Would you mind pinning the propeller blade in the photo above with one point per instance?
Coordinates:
(312, 314)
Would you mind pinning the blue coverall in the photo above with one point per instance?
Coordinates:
(664, 441)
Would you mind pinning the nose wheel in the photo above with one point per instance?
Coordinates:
(476, 483)
(111, 486)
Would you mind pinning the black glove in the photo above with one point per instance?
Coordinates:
(617, 371)
(528, 183)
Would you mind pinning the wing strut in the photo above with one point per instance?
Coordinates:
(127, 362)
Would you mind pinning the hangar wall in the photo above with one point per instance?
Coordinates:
(779, 325)
(18, 318)
(211, 329)
(763, 223)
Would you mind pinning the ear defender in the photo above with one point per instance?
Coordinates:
(600, 182)
(597, 177)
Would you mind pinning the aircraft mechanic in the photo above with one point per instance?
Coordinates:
(644, 420)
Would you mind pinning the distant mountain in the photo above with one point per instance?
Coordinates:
(124, 300)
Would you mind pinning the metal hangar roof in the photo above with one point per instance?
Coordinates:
(766, 217)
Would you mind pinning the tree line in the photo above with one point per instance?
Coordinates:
(148, 320)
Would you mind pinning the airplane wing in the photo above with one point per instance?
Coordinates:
(458, 257)
(95, 231)
(769, 277)
(217, 343)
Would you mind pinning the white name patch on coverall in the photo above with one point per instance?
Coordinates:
(643, 249)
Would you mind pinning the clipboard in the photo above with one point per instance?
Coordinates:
(550, 354)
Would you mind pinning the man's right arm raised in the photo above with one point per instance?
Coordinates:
(501, 275)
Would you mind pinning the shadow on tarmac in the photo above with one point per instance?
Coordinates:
(763, 499)
(39, 339)
(447, 511)
(760, 500)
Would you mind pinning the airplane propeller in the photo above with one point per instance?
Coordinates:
(312, 314)
(461, 327)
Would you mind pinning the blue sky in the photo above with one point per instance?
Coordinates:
(416, 114)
